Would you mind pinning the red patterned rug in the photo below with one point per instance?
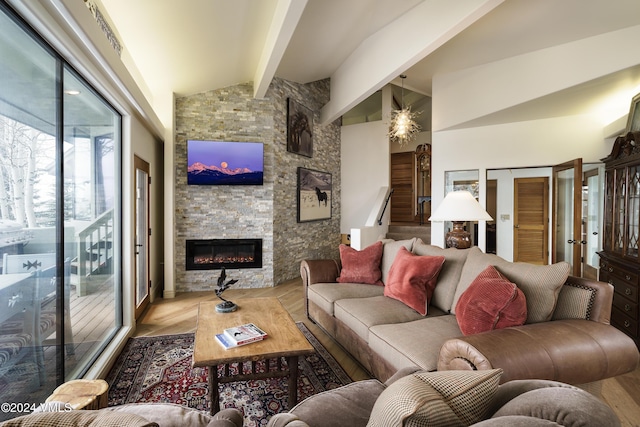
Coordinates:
(158, 369)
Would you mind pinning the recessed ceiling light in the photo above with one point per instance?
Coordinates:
(72, 92)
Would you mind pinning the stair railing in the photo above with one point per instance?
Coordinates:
(374, 227)
(384, 208)
(94, 247)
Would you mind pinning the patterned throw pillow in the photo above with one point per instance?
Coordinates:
(413, 278)
(361, 266)
(575, 302)
(491, 302)
(443, 398)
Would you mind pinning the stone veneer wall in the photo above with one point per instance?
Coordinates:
(269, 211)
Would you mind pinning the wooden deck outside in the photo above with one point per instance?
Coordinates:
(92, 319)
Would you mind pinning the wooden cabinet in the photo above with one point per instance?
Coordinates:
(619, 262)
(624, 278)
(423, 184)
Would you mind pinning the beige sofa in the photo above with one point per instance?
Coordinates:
(129, 415)
(567, 336)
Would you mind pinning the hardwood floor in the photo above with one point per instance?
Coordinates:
(178, 315)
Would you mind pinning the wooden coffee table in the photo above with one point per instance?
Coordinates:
(284, 340)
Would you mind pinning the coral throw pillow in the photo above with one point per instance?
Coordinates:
(412, 279)
(490, 302)
(361, 266)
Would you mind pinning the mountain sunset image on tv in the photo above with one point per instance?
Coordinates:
(225, 163)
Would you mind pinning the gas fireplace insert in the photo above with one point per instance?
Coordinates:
(215, 254)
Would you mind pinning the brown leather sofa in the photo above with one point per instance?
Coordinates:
(577, 345)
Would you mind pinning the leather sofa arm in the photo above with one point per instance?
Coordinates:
(319, 271)
(571, 351)
(581, 298)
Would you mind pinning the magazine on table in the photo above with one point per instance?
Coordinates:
(225, 342)
(240, 335)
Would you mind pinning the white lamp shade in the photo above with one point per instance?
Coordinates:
(460, 206)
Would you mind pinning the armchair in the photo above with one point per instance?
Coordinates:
(451, 398)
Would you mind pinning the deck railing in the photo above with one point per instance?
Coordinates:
(95, 248)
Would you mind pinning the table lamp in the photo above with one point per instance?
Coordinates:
(459, 207)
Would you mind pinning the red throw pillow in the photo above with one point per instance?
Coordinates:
(490, 302)
(361, 266)
(412, 279)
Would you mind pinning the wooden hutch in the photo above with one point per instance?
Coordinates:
(619, 261)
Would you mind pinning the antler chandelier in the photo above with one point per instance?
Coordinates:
(403, 127)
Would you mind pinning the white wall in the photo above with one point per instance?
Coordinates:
(468, 94)
(421, 138)
(364, 169)
(536, 143)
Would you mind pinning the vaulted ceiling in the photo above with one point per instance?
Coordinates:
(190, 46)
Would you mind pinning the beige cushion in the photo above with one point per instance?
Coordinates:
(416, 343)
(389, 252)
(359, 314)
(324, 295)
(449, 276)
(80, 419)
(446, 398)
(165, 414)
(540, 283)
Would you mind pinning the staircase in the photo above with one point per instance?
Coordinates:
(403, 232)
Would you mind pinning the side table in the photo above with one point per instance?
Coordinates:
(82, 394)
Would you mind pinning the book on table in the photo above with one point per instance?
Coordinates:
(240, 335)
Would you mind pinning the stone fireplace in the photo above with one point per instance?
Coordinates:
(266, 211)
(214, 254)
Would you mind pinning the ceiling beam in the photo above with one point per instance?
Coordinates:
(397, 47)
(285, 19)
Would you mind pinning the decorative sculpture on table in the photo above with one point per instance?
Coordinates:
(225, 306)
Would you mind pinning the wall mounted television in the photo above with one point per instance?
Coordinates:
(224, 163)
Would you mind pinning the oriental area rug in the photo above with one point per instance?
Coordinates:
(158, 369)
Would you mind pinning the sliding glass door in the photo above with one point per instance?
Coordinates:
(60, 291)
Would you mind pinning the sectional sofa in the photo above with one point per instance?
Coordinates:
(565, 335)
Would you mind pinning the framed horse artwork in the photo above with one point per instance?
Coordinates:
(314, 195)
(299, 129)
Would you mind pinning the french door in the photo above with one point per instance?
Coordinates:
(143, 285)
(591, 200)
(567, 239)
